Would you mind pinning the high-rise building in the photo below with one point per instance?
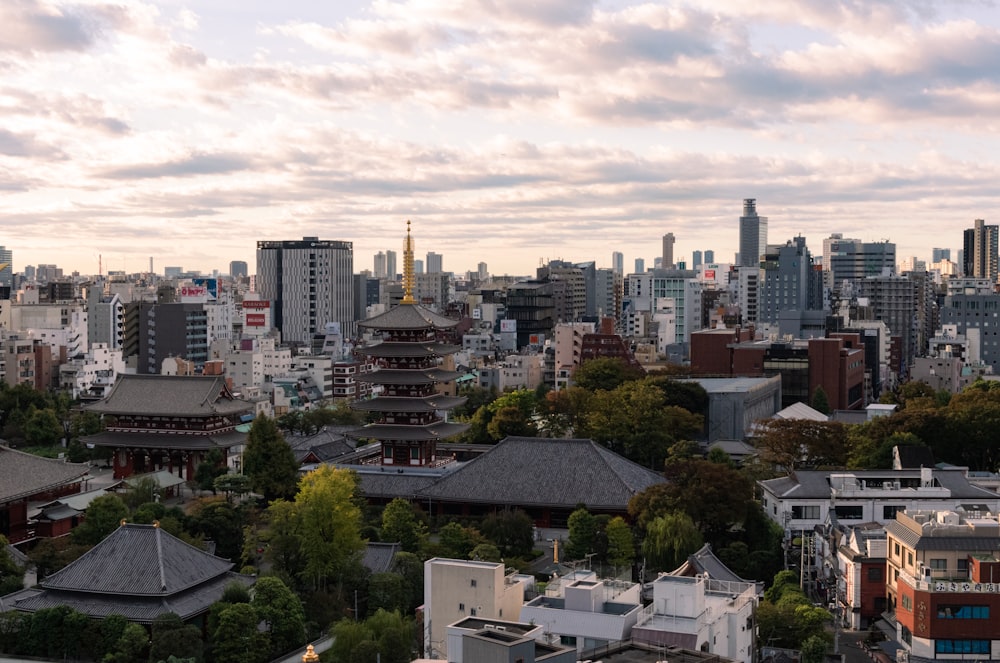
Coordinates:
(309, 283)
(6, 267)
(418, 266)
(238, 269)
(380, 269)
(695, 259)
(435, 263)
(617, 262)
(980, 245)
(482, 271)
(753, 234)
(668, 251)
(640, 265)
(390, 266)
(788, 281)
(937, 255)
(709, 256)
(853, 260)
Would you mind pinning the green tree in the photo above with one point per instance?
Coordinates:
(582, 531)
(688, 395)
(11, 575)
(410, 568)
(232, 484)
(222, 523)
(714, 496)
(237, 639)
(387, 591)
(281, 611)
(511, 530)
(103, 516)
(269, 461)
(486, 552)
(814, 649)
(820, 402)
(458, 540)
(621, 544)
(330, 521)
(109, 632)
(130, 647)
(42, 428)
(401, 523)
(282, 539)
(669, 539)
(170, 636)
(513, 415)
(605, 374)
(347, 635)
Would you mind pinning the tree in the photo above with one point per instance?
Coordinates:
(458, 540)
(232, 484)
(670, 538)
(103, 516)
(236, 639)
(281, 538)
(130, 647)
(387, 591)
(269, 461)
(814, 649)
(410, 568)
(688, 395)
(621, 544)
(605, 373)
(513, 415)
(172, 637)
(220, 522)
(347, 635)
(511, 530)
(715, 497)
(791, 443)
(562, 410)
(282, 614)
(11, 575)
(486, 552)
(42, 428)
(820, 401)
(400, 523)
(330, 521)
(582, 530)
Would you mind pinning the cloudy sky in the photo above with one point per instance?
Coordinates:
(509, 131)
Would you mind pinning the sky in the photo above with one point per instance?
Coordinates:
(508, 131)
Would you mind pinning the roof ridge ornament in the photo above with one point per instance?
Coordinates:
(408, 271)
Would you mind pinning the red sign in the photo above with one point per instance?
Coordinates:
(255, 304)
(709, 273)
(194, 291)
(256, 319)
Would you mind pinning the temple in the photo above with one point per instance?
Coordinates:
(408, 357)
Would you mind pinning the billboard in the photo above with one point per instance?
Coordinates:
(508, 326)
(256, 320)
(256, 304)
(211, 287)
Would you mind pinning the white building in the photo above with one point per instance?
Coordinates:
(585, 612)
(644, 292)
(455, 588)
(92, 375)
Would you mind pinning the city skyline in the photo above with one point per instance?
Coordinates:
(154, 130)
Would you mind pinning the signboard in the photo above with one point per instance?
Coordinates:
(194, 291)
(256, 320)
(710, 274)
(477, 313)
(211, 287)
(508, 326)
(256, 304)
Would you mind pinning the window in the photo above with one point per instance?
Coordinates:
(849, 512)
(906, 602)
(472, 583)
(939, 564)
(472, 612)
(963, 565)
(963, 612)
(461, 607)
(896, 550)
(889, 512)
(909, 559)
(805, 512)
(875, 574)
(962, 646)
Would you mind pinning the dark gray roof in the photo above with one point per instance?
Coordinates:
(395, 349)
(704, 560)
(408, 316)
(917, 541)
(325, 445)
(166, 440)
(171, 395)
(389, 484)
(408, 376)
(138, 560)
(914, 456)
(404, 404)
(546, 472)
(440, 430)
(815, 484)
(378, 557)
(23, 475)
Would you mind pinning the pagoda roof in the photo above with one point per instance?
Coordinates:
(395, 349)
(404, 404)
(408, 376)
(408, 316)
(171, 395)
(166, 440)
(23, 475)
(438, 430)
(527, 471)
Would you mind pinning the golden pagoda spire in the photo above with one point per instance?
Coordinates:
(408, 267)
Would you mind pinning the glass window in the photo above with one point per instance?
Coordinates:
(962, 646)
(939, 564)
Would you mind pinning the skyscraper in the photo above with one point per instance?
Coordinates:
(390, 265)
(640, 265)
(309, 283)
(435, 263)
(239, 269)
(6, 267)
(668, 251)
(753, 234)
(695, 259)
(617, 262)
(709, 256)
(980, 245)
(937, 255)
(379, 266)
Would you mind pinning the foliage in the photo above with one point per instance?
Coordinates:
(11, 575)
(621, 544)
(605, 374)
(219, 521)
(282, 614)
(281, 539)
(330, 521)
(130, 647)
(232, 484)
(209, 469)
(820, 401)
(386, 636)
(486, 552)
(670, 538)
(236, 639)
(410, 568)
(688, 395)
(561, 411)
(103, 516)
(792, 443)
(172, 637)
(458, 541)
(401, 523)
(714, 496)
(814, 649)
(387, 591)
(269, 461)
(786, 617)
(513, 415)
(511, 530)
(43, 428)
(582, 531)
(51, 555)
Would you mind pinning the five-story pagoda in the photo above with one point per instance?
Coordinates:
(410, 410)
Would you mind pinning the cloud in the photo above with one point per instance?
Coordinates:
(35, 26)
(25, 145)
(188, 166)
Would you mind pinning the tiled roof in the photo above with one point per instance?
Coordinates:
(934, 541)
(408, 316)
(23, 475)
(543, 471)
(815, 484)
(398, 349)
(391, 484)
(440, 430)
(166, 440)
(324, 445)
(171, 395)
(378, 557)
(411, 376)
(138, 560)
(404, 404)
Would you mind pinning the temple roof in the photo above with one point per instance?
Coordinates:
(438, 430)
(171, 395)
(397, 349)
(408, 316)
(166, 440)
(23, 474)
(408, 376)
(404, 404)
(528, 471)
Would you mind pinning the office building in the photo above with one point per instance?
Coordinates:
(435, 263)
(696, 260)
(482, 271)
(937, 255)
(618, 262)
(418, 266)
(309, 283)
(668, 251)
(390, 266)
(379, 266)
(753, 234)
(788, 281)
(640, 265)
(238, 269)
(6, 267)
(709, 256)
(894, 300)
(852, 260)
(980, 251)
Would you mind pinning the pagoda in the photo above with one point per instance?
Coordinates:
(411, 412)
